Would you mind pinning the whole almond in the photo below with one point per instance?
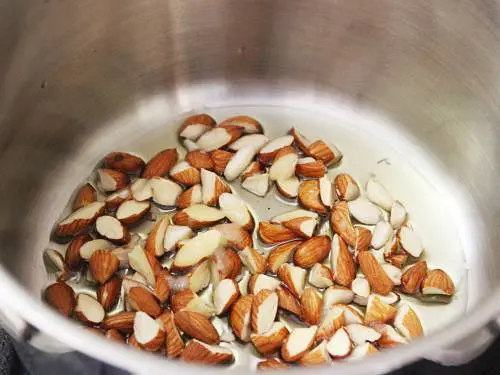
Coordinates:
(312, 251)
(374, 273)
(160, 164)
(61, 297)
(109, 292)
(124, 162)
(197, 326)
(412, 278)
(87, 194)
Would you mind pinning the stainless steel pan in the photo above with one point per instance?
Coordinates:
(70, 69)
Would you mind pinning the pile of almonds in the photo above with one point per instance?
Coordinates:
(195, 283)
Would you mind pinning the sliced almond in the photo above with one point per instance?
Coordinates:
(397, 215)
(437, 282)
(268, 153)
(254, 261)
(340, 345)
(80, 220)
(312, 251)
(361, 289)
(257, 184)
(270, 341)
(174, 234)
(198, 216)
(195, 126)
(160, 164)
(139, 261)
(298, 343)
(283, 165)
(302, 226)
(220, 159)
(300, 140)
(337, 295)
(236, 210)
(212, 187)
(102, 265)
(225, 294)
(115, 199)
(132, 211)
(61, 297)
(141, 190)
(197, 326)
(281, 254)
(148, 332)
(253, 168)
(346, 188)
(141, 299)
(174, 343)
(165, 192)
(197, 249)
(379, 312)
(259, 281)
(190, 197)
(110, 180)
(123, 321)
(247, 123)
(185, 174)
(204, 354)
(318, 356)
(287, 301)
(239, 317)
(154, 241)
(310, 168)
(239, 162)
(309, 196)
(378, 194)
(293, 277)
(408, 323)
(333, 320)
(362, 351)
(320, 276)
(264, 309)
(85, 195)
(270, 233)
(312, 305)
(288, 188)
(393, 272)
(257, 141)
(88, 248)
(109, 292)
(343, 267)
(410, 241)
(390, 337)
(225, 264)
(218, 137)
(382, 233)
(379, 281)
(360, 334)
(365, 211)
(340, 221)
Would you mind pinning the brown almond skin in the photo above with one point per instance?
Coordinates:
(181, 299)
(314, 169)
(123, 322)
(309, 197)
(320, 150)
(374, 273)
(200, 159)
(72, 257)
(281, 254)
(287, 301)
(439, 278)
(363, 238)
(184, 200)
(220, 159)
(109, 292)
(341, 184)
(114, 334)
(253, 126)
(143, 300)
(271, 233)
(312, 251)
(346, 268)
(161, 163)
(174, 343)
(197, 326)
(269, 344)
(202, 118)
(229, 264)
(196, 353)
(272, 364)
(87, 194)
(103, 264)
(162, 287)
(412, 278)
(77, 226)
(240, 308)
(124, 162)
(61, 297)
(312, 304)
(340, 222)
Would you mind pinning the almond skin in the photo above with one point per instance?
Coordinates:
(109, 292)
(197, 326)
(203, 119)
(374, 273)
(258, 300)
(412, 278)
(320, 150)
(287, 301)
(267, 343)
(309, 196)
(72, 257)
(344, 269)
(438, 282)
(312, 304)
(124, 162)
(312, 251)
(141, 299)
(123, 322)
(239, 318)
(174, 343)
(313, 169)
(248, 124)
(160, 164)
(272, 364)
(197, 352)
(340, 221)
(87, 194)
(346, 187)
(200, 159)
(271, 233)
(115, 335)
(73, 226)
(281, 254)
(180, 300)
(61, 297)
(220, 159)
(103, 264)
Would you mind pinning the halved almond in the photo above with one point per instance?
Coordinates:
(115, 199)
(141, 299)
(283, 165)
(379, 312)
(337, 295)
(205, 354)
(264, 309)
(185, 174)
(361, 289)
(340, 345)
(310, 168)
(123, 321)
(365, 211)
(165, 192)
(288, 188)
(270, 233)
(397, 215)
(340, 221)
(72, 258)
(326, 194)
(85, 195)
(281, 254)
(139, 261)
(162, 286)
(239, 318)
(174, 343)
(194, 126)
(312, 251)
(225, 294)
(346, 187)
(197, 249)
(191, 196)
(109, 292)
(131, 211)
(378, 194)
(124, 162)
(257, 184)
(253, 168)
(197, 326)
(239, 162)
(272, 364)
(333, 320)
(287, 301)
(293, 277)
(268, 153)
(374, 273)
(110, 180)
(320, 276)
(410, 241)
(220, 159)
(382, 233)
(141, 190)
(290, 215)
(253, 260)
(112, 229)
(212, 187)
(199, 276)
(160, 164)
(302, 226)
(343, 267)
(174, 234)
(236, 210)
(257, 141)
(61, 297)
(102, 265)
(270, 341)
(235, 235)
(437, 282)
(298, 343)
(408, 323)
(225, 264)
(328, 154)
(318, 356)
(360, 334)
(393, 272)
(363, 240)
(88, 248)
(309, 196)
(148, 332)
(247, 123)
(312, 304)
(259, 281)
(154, 241)
(390, 337)
(198, 216)
(80, 220)
(218, 137)
(362, 351)
(200, 159)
